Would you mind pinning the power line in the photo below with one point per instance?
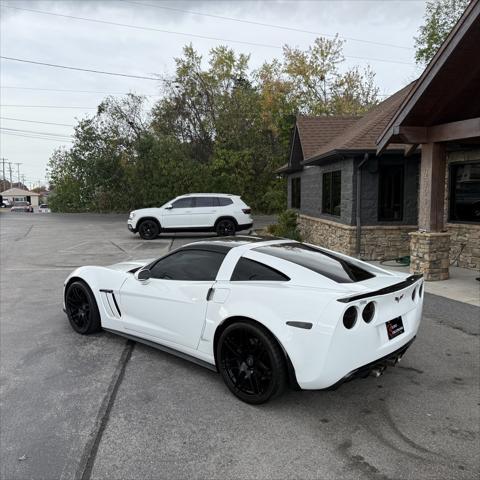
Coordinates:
(59, 135)
(48, 106)
(36, 121)
(77, 91)
(65, 67)
(262, 24)
(36, 137)
(190, 35)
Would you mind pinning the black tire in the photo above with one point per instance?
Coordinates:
(225, 227)
(251, 362)
(148, 229)
(82, 308)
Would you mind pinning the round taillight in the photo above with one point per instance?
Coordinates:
(368, 312)
(420, 290)
(414, 294)
(350, 317)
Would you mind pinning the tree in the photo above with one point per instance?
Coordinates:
(440, 17)
(218, 126)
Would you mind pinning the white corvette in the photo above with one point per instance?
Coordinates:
(264, 312)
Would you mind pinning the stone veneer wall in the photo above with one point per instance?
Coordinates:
(385, 242)
(430, 254)
(328, 234)
(377, 242)
(464, 245)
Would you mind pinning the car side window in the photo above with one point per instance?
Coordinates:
(205, 202)
(194, 265)
(250, 270)
(187, 202)
(224, 201)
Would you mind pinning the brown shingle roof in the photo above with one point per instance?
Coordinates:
(362, 134)
(315, 132)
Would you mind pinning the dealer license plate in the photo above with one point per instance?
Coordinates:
(394, 327)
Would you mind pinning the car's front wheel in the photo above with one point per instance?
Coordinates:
(82, 309)
(148, 229)
(251, 362)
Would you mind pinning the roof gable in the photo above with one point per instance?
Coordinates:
(362, 134)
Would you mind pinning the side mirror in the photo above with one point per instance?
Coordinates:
(143, 274)
(168, 207)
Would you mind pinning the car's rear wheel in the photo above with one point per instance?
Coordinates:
(225, 227)
(148, 229)
(251, 362)
(82, 309)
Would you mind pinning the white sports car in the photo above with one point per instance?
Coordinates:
(264, 312)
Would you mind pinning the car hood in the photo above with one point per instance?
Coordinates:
(144, 212)
(130, 265)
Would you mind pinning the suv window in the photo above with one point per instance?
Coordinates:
(206, 202)
(186, 202)
(250, 270)
(195, 265)
(224, 201)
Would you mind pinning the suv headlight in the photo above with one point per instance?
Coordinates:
(132, 215)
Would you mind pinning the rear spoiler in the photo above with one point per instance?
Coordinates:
(383, 291)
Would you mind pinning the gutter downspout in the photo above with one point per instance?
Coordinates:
(358, 203)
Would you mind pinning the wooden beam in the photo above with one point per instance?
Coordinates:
(410, 149)
(444, 132)
(432, 187)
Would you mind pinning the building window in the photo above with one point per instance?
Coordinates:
(465, 192)
(296, 192)
(332, 192)
(390, 192)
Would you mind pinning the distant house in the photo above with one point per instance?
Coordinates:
(18, 195)
(378, 186)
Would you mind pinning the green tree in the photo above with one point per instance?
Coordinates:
(440, 17)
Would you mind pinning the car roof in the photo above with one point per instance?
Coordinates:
(209, 195)
(225, 244)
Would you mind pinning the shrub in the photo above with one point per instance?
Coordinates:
(287, 226)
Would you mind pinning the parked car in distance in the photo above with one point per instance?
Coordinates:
(21, 207)
(43, 208)
(201, 212)
(264, 312)
(5, 204)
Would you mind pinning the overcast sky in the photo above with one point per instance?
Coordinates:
(374, 30)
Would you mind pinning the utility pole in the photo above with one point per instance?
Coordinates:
(10, 169)
(3, 168)
(18, 172)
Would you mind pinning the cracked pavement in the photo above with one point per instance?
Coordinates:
(102, 407)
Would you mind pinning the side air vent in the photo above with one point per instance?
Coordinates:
(110, 303)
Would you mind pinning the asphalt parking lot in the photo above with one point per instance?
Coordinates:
(75, 407)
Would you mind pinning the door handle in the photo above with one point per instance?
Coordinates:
(210, 293)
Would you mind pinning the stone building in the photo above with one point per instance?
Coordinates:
(404, 179)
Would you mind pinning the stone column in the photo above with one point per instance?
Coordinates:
(430, 246)
(429, 254)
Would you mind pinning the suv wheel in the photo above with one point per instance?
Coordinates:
(148, 229)
(225, 227)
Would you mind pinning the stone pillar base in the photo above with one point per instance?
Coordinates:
(429, 254)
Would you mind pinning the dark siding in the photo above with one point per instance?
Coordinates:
(370, 189)
(311, 188)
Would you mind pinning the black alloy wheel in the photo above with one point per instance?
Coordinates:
(251, 362)
(225, 228)
(82, 309)
(148, 229)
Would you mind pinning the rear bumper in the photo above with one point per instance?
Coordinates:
(377, 367)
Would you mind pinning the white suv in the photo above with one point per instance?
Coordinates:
(200, 212)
